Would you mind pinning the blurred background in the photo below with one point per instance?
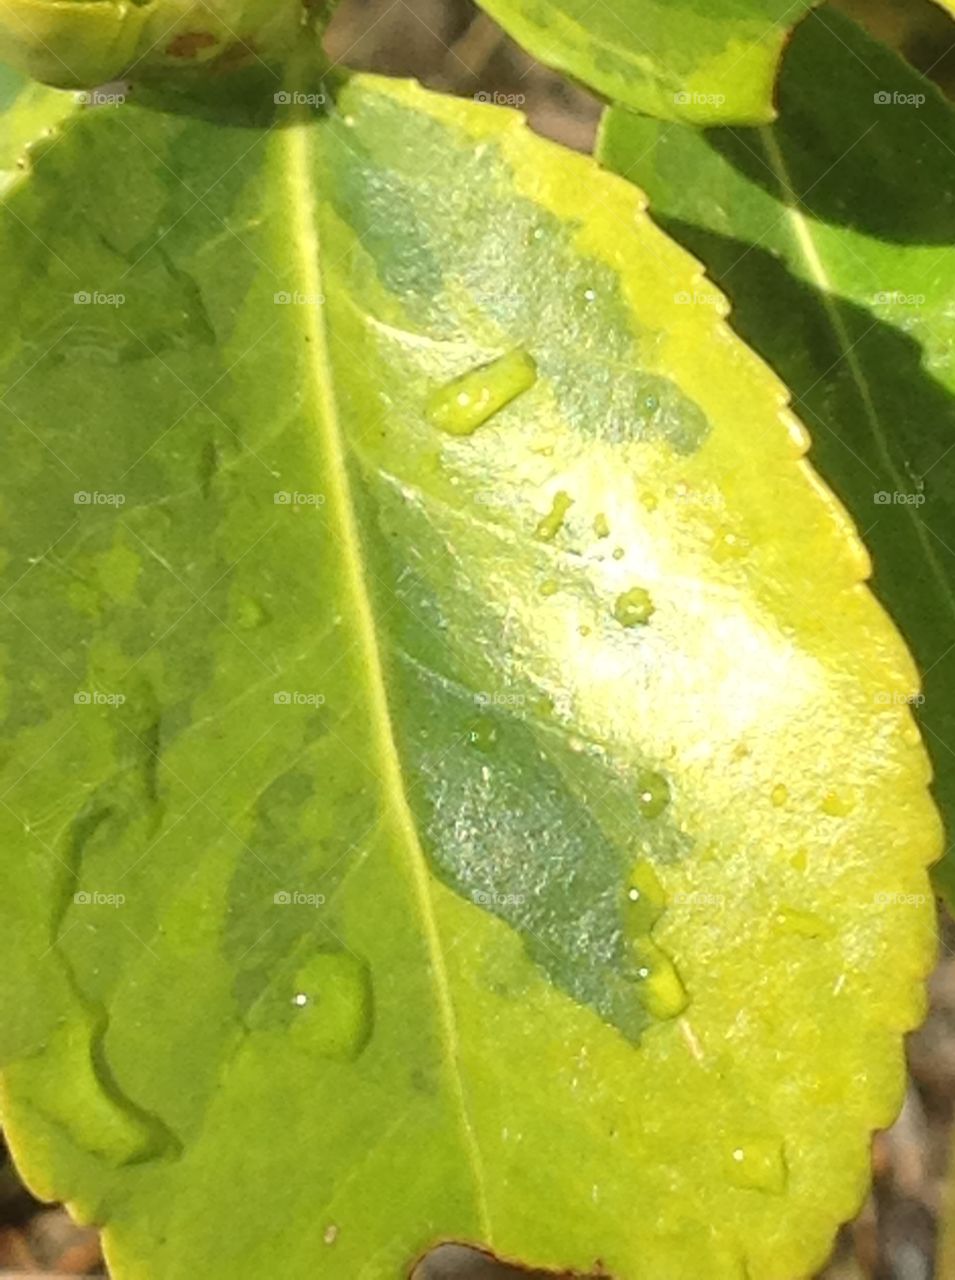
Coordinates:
(906, 1229)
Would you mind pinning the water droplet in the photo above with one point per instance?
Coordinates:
(803, 924)
(601, 525)
(779, 795)
(837, 804)
(550, 587)
(646, 898)
(482, 734)
(465, 404)
(653, 794)
(551, 524)
(71, 1084)
(300, 999)
(661, 987)
(331, 1234)
(758, 1164)
(337, 1017)
(583, 629)
(634, 608)
(590, 294)
(618, 553)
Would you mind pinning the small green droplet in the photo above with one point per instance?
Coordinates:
(550, 587)
(779, 795)
(467, 402)
(653, 794)
(803, 924)
(646, 898)
(837, 804)
(618, 553)
(634, 608)
(601, 525)
(661, 987)
(758, 1164)
(71, 1085)
(334, 1011)
(551, 524)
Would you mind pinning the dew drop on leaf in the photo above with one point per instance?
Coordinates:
(551, 524)
(836, 804)
(653, 794)
(779, 795)
(634, 608)
(337, 1015)
(463, 405)
(758, 1164)
(646, 898)
(661, 987)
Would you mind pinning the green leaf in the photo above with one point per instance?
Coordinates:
(441, 798)
(676, 59)
(832, 233)
(81, 44)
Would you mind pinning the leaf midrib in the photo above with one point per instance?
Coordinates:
(303, 203)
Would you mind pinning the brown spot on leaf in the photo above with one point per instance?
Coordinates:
(189, 43)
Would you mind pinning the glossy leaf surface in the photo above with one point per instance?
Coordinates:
(442, 799)
(676, 59)
(832, 232)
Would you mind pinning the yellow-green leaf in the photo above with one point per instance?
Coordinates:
(448, 791)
